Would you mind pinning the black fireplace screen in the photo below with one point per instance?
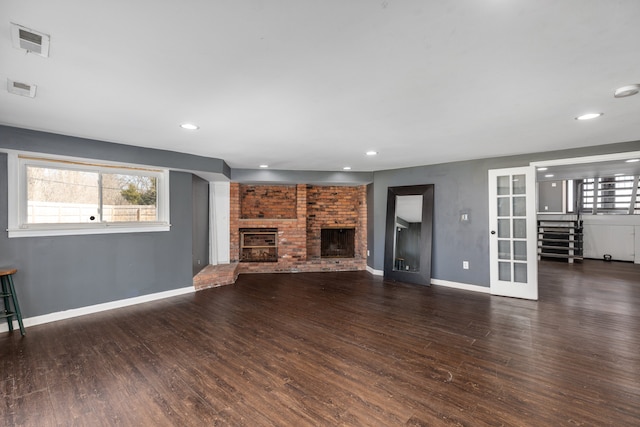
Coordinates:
(337, 242)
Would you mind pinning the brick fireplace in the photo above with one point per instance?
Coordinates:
(300, 213)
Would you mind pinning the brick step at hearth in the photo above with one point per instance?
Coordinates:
(216, 275)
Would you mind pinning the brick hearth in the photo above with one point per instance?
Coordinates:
(216, 275)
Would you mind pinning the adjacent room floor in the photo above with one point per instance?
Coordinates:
(341, 349)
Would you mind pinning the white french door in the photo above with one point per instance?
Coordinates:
(513, 232)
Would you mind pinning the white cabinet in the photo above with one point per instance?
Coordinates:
(617, 235)
(615, 240)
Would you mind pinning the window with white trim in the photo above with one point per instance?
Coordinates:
(610, 195)
(59, 196)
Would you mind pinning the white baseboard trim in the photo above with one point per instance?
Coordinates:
(375, 272)
(75, 312)
(458, 285)
(445, 283)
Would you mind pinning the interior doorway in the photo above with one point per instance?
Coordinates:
(588, 214)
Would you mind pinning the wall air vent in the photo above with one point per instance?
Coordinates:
(22, 89)
(30, 40)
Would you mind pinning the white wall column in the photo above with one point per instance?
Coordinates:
(219, 212)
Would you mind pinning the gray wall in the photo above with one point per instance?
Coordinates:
(460, 187)
(550, 196)
(200, 227)
(66, 272)
(49, 143)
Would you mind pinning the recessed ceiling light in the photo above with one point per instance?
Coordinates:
(189, 126)
(549, 175)
(264, 166)
(625, 91)
(371, 153)
(346, 168)
(632, 160)
(542, 169)
(589, 116)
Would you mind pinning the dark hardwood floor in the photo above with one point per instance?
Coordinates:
(325, 349)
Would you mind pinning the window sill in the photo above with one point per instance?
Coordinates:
(78, 230)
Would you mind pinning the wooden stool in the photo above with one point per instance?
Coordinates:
(9, 291)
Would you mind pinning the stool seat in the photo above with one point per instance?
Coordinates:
(8, 295)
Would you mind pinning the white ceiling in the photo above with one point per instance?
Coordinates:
(312, 85)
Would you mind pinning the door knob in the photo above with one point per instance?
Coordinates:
(493, 232)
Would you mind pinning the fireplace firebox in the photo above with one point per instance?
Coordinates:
(337, 242)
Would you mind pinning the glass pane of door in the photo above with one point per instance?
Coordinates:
(520, 272)
(520, 250)
(504, 250)
(520, 228)
(519, 206)
(503, 185)
(504, 206)
(504, 271)
(519, 184)
(503, 229)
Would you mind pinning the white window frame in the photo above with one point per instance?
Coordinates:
(597, 203)
(17, 163)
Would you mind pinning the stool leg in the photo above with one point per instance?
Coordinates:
(7, 306)
(16, 305)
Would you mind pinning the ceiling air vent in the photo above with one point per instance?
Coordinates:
(22, 89)
(30, 40)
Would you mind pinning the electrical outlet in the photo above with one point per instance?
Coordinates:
(465, 265)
